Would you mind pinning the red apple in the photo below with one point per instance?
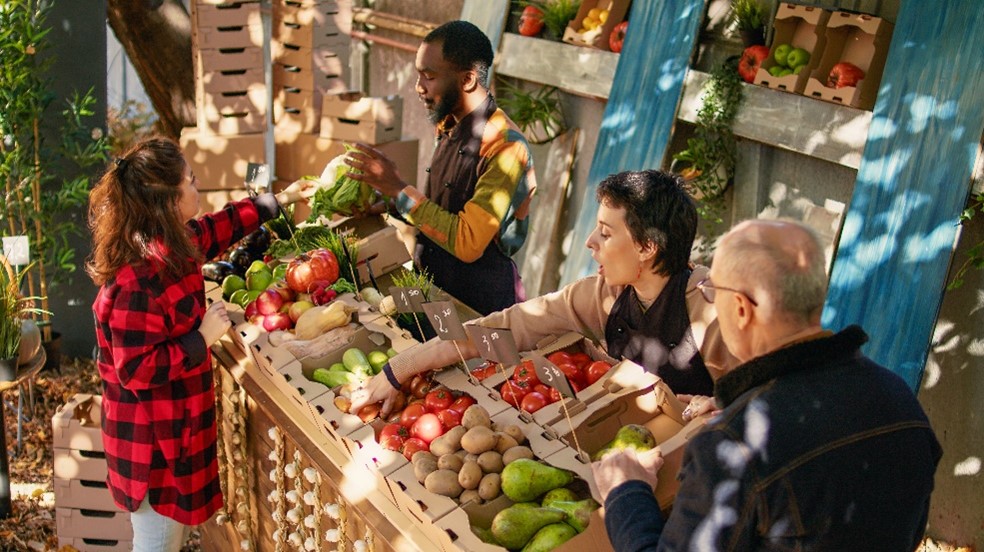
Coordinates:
(251, 310)
(269, 301)
(844, 74)
(751, 60)
(277, 321)
(281, 287)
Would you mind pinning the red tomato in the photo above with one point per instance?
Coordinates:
(461, 404)
(533, 401)
(526, 373)
(484, 370)
(427, 428)
(542, 389)
(393, 436)
(531, 21)
(581, 360)
(449, 418)
(413, 445)
(573, 373)
(554, 396)
(595, 370)
(617, 38)
(411, 413)
(559, 357)
(513, 392)
(438, 399)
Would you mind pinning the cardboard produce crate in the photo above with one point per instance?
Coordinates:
(862, 40)
(226, 14)
(95, 544)
(294, 111)
(316, 14)
(216, 38)
(220, 162)
(231, 112)
(801, 27)
(82, 493)
(329, 34)
(210, 60)
(379, 247)
(231, 80)
(356, 118)
(93, 524)
(597, 37)
(77, 424)
(89, 465)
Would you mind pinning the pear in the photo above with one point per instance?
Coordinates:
(524, 479)
(578, 513)
(630, 436)
(557, 495)
(484, 534)
(514, 527)
(550, 537)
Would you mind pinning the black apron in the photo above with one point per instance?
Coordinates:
(492, 282)
(659, 339)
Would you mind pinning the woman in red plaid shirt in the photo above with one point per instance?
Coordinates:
(154, 331)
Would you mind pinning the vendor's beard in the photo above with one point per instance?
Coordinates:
(445, 107)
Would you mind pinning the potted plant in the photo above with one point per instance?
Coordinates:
(39, 200)
(555, 15)
(19, 336)
(748, 17)
(537, 112)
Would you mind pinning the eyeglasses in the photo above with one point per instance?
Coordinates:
(707, 289)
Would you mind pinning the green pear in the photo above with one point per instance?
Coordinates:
(578, 513)
(514, 527)
(484, 534)
(524, 479)
(630, 436)
(557, 495)
(550, 537)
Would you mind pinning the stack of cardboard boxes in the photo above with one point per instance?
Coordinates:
(86, 517)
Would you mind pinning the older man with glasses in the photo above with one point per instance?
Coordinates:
(816, 447)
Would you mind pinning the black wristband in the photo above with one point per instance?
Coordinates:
(390, 377)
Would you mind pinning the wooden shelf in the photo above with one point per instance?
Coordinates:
(791, 122)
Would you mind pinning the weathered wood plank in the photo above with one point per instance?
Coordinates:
(898, 236)
(584, 71)
(641, 109)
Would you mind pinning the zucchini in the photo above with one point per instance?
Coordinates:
(337, 367)
(357, 362)
(334, 379)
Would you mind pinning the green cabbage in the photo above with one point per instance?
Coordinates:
(338, 193)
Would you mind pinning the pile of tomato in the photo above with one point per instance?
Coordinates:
(525, 391)
(422, 420)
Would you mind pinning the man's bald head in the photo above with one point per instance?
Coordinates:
(781, 260)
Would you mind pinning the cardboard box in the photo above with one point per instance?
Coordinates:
(79, 464)
(308, 78)
(227, 14)
(214, 38)
(801, 27)
(356, 118)
(83, 493)
(294, 111)
(330, 34)
(85, 523)
(862, 40)
(232, 112)
(95, 545)
(220, 162)
(307, 154)
(77, 424)
(218, 82)
(327, 13)
(379, 247)
(210, 60)
(597, 37)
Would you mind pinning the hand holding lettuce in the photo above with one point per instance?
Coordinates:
(338, 193)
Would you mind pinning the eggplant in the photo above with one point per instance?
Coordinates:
(216, 271)
(241, 257)
(258, 241)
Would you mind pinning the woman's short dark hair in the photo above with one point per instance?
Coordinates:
(657, 210)
(465, 47)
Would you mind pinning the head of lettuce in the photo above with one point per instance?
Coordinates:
(338, 193)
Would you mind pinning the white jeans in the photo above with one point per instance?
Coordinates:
(153, 532)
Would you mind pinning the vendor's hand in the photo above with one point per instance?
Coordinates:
(371, 166)
(376, 208)
(215, 323)
(298, 190)
(697, 405)
(619, 466)
(376, 389)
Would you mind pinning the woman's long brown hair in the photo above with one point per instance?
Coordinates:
(134, 216)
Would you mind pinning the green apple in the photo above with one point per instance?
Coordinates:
(797, 57)
(776, 69)
(239, 297)
(786, 71)
(781, 52)
(258, 276)
(280, 271)
(231, 284)
(798, 69)
(377, 359)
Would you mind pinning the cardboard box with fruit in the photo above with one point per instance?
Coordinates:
(595, 21)
(853, 60)
(798, 42)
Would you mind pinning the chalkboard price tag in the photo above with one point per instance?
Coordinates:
(495, 344)
(407, 299)
(443, 316)
(550, 375)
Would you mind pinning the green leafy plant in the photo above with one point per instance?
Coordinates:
(556, 13)
(708, 163)
(39, 200)
(13, 309)
(412, 278)
(537, 112)
(975, 257)
(748, 15)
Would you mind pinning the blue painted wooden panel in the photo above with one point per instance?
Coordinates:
(641, 108)
(895, 248)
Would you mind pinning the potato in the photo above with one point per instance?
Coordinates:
(504, 442)
(421, 455)
(478, 439)
(470, 475)
(490, 461)
(469, 457)
(515, 432)
(476, 416)
(516, 453)
(451, 462)
(470, 495)
(444, 483)
(425, 466)
(461, 453)
(490, 486)
(448, 443)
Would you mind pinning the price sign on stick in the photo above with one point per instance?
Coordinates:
(495, 344)
(550, 375)
(407, 299)
(443, 316)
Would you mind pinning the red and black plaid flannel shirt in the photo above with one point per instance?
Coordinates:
(158, 397)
